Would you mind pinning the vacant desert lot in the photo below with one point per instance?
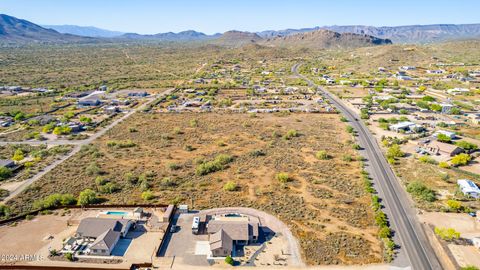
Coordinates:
(323, 200)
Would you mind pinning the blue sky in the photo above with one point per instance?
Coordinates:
(211, 16)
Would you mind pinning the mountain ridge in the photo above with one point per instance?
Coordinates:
(85, 31)
(18, 30)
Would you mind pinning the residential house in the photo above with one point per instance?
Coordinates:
(474, 118)
(104, 243)
(406, 127)
(449, 134)
(407, 68)
(44, 119)
(112, 110)
(104, 233)
(438, 148)
(469, 188)
(138, 94)
(457, 91)
(221, 244)
(225, 233)
(435, 71)
(446, 108)
(89, 102)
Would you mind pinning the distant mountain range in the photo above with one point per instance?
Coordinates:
(319, 39)
(85, 31)
(18, 30)
(398, 34)
(188, 35)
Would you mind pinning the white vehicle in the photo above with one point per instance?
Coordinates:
(195, 225)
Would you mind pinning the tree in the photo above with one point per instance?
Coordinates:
(467, 146)
(443, 138)
(394, 151)
(460, 159)
(385, 232)
(86, 197)
(447, 234)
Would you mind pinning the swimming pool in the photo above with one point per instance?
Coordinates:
(117, 213)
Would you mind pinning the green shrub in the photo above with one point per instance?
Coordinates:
(168, 182)
(447, 234)
(257, 153)
(147, 195)
(230, 186)
(174, 166)
(229, 260)
(394, 151)
(4, 211)
(131, 178)
(467, 146)
(55, 200)
(420, 191)
(5, 173)
(460, 159)
(443, 165)
(350, 129)
(217, 164)
(283, 177)
(427, 159)
(454, 205)
(69, 256)
(109, 188)
(62, 130)
(87, 197)
(347, 158)
(322, 155)
(292, 133)
(100, 181)
(385, 232)
(443, 138)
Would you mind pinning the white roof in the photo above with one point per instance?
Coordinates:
(402, 125)
(445, 132)
(468, 186)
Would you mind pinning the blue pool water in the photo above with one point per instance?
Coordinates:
(116, 213)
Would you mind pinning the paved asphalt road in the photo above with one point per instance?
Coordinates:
(402, 215)
(78, 145)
